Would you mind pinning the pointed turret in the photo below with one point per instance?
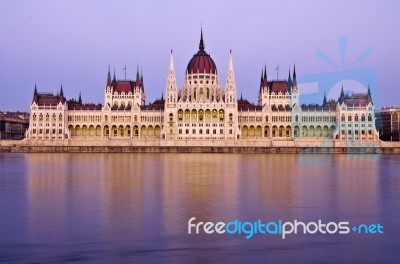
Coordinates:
(230, 87)
(262, 75)
(80, 98)
(230, 80)
(162, 96)
(265, 72)
(61, 91)
(342, 93)
(369, 94)
(137, 73)
(35, 91)
(114, 78)
(201, 44)
(171, 98)
(109, 77)
(324, 102)
(294, 75)
(171, 88)
(289, 82)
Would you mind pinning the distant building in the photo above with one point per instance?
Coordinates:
(388, 123)
(202, 109)
(13, 125)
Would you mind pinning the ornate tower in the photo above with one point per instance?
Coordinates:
(231, 114)
(108, 91)
(139, 97)
(263, 95)
(171, 96)
(294, 90)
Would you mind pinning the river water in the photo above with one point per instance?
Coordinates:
(110, 208)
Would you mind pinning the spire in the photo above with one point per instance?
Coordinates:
(230, 79)
(289, 82)
(171, 62)
(61, 91)
(137, 73)
(369, 94)
(141, 75)
(171, 89)
(265, 72)
(201, 45)
(241, 96)
(114, 78)
(108, 76)
(35, 91)
(294, 82)
(262, 77)
(294, 73)
(80, 98)
(162, 96)
(324, 102)
(342, 93)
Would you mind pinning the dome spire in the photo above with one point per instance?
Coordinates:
(201, 45)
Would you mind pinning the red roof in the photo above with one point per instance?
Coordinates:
(48, 99)
(360, 100)
(126, 86)
(278, 86)
(202, 63)
(245, 105)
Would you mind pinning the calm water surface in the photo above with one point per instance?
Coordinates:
(110, 208)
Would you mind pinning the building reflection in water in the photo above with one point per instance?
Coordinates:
(127, 204)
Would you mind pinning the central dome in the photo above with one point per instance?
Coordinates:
(201, 61)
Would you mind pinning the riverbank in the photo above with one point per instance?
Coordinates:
(243, 146)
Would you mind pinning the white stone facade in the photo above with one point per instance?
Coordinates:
(201, 110)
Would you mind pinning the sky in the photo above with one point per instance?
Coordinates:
(72, 43)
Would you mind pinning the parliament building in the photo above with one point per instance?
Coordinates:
(202, 110)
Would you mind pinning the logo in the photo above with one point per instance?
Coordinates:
(280, 228)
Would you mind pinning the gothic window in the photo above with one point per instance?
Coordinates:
(343, 118)
(356, 118)
(370, 118)
(214, 113)
(180, 114)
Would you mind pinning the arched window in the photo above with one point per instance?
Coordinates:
(343, 118)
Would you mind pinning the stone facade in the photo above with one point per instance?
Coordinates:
(201, 110)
